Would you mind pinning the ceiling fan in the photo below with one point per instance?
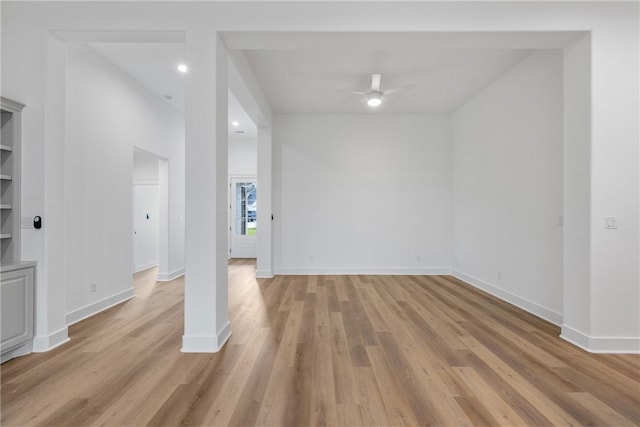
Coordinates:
(376, 94)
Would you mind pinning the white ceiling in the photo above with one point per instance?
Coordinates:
(319, 81)
(246, 128)
(154, 65)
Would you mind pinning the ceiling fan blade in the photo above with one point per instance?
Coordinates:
(398, 89)
(355, 92)
(375, 82)
(388, 102)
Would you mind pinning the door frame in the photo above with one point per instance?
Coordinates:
(163, 213)
(233, 179)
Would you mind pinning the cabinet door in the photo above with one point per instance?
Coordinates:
(16, 303)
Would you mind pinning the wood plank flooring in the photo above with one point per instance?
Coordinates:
(322, 350)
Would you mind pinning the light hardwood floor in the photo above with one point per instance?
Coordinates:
(323, 350)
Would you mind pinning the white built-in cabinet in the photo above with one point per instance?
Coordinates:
(16, 303)
(16, 276)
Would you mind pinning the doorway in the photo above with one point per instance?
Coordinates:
(150, 210)
(243, 217)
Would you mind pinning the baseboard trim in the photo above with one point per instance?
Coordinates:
(17, 351)
(146, 182)
(44, 343)
(523, 303)
(610, 345)
(264, 274)
(167, 277)
(145, 267)
(98, 306)
(206, 343)
(376, 271)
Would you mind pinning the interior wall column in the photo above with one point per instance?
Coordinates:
(50, 286)
(163, 218)
(615, 188)
(577, 193)
(264, 268)
(206, 323)
(601, 279)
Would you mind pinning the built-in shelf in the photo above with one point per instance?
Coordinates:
(16, 277)
(10, 129)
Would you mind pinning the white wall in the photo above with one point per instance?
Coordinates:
(146, 168)
(107, 115)
(243, 156)
(361, 193)
(507, 186)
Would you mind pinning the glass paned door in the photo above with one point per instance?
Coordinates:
(244, 216)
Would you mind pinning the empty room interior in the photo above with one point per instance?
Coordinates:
(320, 213)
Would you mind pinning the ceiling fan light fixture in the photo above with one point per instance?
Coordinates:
(374, 100)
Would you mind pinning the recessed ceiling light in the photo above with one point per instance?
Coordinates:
(235, 124)
(182, 68)
(374, 100)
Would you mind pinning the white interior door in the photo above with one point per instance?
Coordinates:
(146, 226)
(243, 217)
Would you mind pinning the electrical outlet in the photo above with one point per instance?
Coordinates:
(94, 287)
(418, 259)
(611, 222)
(499, 275)
(310, 258)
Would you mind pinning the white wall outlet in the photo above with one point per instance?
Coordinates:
(26, 222)
(499, 275)
(310, 258)
(418, 258)
(611, 222)
(94, 287)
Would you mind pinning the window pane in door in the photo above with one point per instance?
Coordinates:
(246, 214)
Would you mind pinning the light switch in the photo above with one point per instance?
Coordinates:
(611, 222)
